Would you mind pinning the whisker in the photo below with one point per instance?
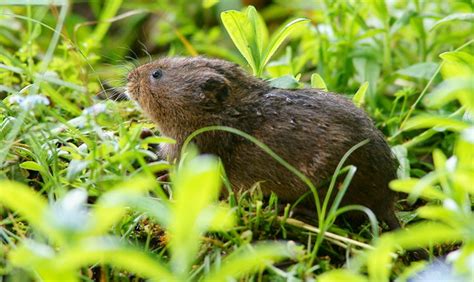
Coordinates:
(144, 49)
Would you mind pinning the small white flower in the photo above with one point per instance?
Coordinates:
(29, 102)
(71, 213)
(95, 110)
(451, 164)
(468, 135)
(451, 205)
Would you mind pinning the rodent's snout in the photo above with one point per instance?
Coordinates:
(132, 75)
(132, 84)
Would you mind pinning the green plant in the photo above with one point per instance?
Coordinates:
(449, 218)
(250, 35)
(75, 236)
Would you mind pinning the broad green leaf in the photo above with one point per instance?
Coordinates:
(25, 201)
(196, 186)
(259, 36)
(159, 166)
(439, 160)
(40, 258)
(359, 97)
(110, 251)
(239, 29)
(437, 122)
(318, 82)
(457, 64)
(279, 36)
(111, 206)
(248, 259)
(403, 20)
(421, 70)
(30, 165)
(411, 185)
(206, 4)
(285, 82)
(464, 151)
(217, 218)
(379, 259)
(438, 213)
(460, 88)
(465, 179)
(425, 234)
(464, 262)
(341, 275)
(381, 10)
(416, 236)
(454, 17)
(158, 140)
(109, 10)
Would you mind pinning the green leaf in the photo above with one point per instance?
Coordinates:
(41, 259)
(341, 275)
(240, 31)
(417, 236)
(379, 259)
(197, 184)
(438, 213)
(422, 70)
(421, 188)
(30, 165)
(259, 36)
(206, 4)
(426, 234)
(464, 152)
(285, 82)
(217, 218)
(402, 21)
(359, 97)
(109, 10)
(278, 37)
(158, 140)
(460, 88)
(437, 122)
(111, 206)
(469, 17)
(381, 9)
(112, 252)
(248, 259)
(318, 82)
(457, 64)
(25, 201)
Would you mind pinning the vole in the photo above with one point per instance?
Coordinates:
(309, 128)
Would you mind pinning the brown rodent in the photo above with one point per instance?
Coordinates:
(309, 128)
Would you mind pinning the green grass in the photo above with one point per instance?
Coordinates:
(79, 198)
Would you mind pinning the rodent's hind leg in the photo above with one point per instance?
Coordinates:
(392, 221)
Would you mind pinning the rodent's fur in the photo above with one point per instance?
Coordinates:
(309, 128)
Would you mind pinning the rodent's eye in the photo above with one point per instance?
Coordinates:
(156, 74)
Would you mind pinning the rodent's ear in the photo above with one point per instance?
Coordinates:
(215, 87)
